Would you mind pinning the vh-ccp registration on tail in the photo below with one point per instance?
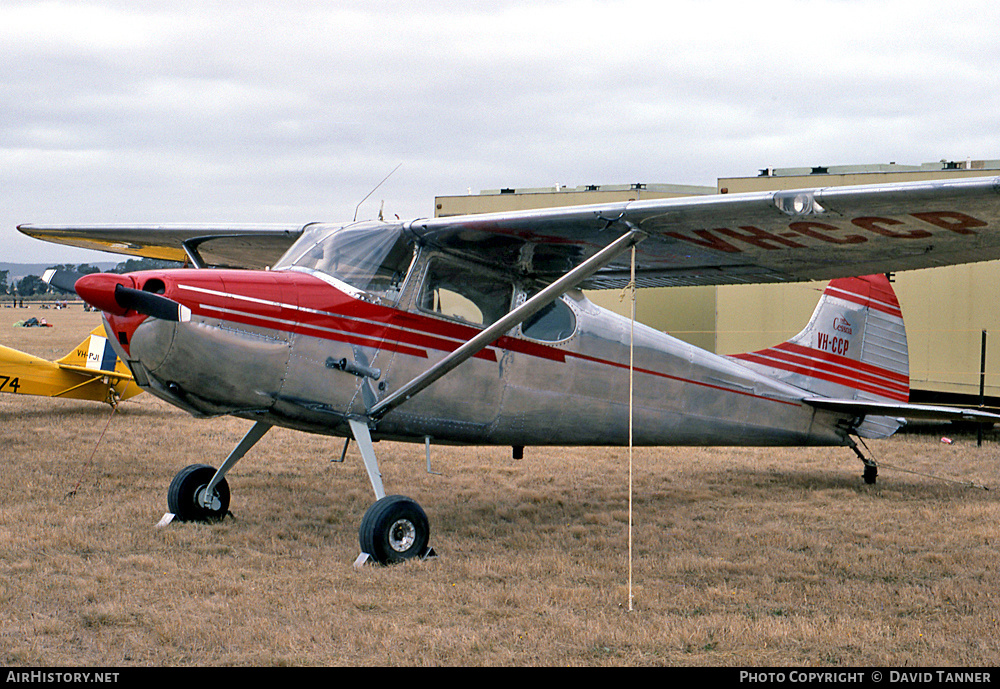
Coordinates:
(474, 329)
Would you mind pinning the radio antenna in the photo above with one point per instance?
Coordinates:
(373, 191)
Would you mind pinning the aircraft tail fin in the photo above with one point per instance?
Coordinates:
(95, 356)
(853, 348)
(94, 353)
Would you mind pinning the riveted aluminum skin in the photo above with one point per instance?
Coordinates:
(261, 353)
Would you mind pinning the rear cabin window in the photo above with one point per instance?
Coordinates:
(553, 323)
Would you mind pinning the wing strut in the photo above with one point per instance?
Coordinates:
(522, 313)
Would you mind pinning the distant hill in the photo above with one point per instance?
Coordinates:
(19, 270)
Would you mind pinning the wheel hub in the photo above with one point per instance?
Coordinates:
(402, 535)
(209, 502)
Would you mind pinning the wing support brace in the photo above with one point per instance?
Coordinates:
(522, 313)
(190, 247)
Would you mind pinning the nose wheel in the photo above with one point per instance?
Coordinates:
(199, 492)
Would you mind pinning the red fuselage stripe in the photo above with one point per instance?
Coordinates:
(668, 376)
(851, 369)
(812, 372)
(379, 333)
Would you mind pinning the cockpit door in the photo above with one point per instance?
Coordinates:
(345, 334)
(448, 302)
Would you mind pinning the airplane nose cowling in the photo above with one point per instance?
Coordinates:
(117, 295)
(98, 289)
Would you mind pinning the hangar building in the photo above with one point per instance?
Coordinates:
(949, 312)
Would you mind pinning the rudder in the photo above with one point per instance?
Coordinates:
(854, 347)
(94, 353)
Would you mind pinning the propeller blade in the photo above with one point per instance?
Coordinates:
(63, 280)
(151, 304)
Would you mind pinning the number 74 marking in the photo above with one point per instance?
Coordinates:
(8, 383)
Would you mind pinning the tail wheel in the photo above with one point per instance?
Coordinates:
(870, 474)
(186, 497)
(394, 529)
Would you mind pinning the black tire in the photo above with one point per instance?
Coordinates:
(870, 475)
(394, 529)
(185, 488)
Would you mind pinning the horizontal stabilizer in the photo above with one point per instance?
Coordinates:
(117, 375)
(906, 411)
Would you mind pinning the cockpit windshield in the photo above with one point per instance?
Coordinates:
(373, 257)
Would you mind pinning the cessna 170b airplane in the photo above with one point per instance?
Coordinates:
(474, 329)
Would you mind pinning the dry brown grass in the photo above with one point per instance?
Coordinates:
(743, 557)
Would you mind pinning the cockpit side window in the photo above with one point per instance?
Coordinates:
(461, 293)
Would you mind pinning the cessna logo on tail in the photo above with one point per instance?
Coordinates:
(842, 325)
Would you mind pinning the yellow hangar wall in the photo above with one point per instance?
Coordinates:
(945, 310)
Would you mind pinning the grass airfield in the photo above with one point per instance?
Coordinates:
(741, 556)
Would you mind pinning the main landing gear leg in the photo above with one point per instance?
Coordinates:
(395, 528)
(364, 440)
(871, 468)
(199, 492)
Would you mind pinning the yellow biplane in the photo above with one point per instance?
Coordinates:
(91, 371)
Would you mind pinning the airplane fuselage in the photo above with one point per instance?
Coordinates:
(299, 350)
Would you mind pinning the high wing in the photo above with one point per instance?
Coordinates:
(777, 236)
(780, 236)
(228, 246)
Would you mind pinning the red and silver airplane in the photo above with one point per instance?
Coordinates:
(474, 329)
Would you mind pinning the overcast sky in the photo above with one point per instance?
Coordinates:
(291, 111)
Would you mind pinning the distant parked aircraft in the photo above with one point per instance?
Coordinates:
(91, 371)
